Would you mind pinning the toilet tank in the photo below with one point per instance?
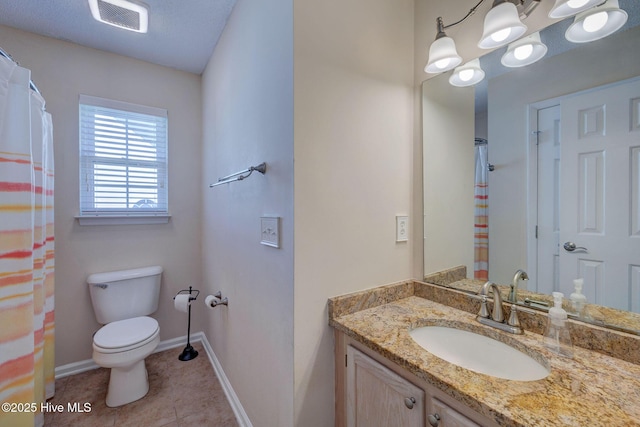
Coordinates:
(124, 294)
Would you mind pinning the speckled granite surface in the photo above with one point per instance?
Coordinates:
(592, 389)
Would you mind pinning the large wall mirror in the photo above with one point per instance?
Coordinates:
(563, 193)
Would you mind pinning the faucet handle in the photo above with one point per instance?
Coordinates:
(484, 311)
(513, 317)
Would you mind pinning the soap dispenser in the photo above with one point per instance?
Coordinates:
(556, 336)
(577, 298)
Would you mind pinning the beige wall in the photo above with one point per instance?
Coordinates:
(353, 170)
(62, 71)
(248, 119)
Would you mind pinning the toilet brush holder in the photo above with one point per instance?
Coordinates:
(189, 352)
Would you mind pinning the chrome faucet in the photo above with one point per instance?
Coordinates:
(513, 295)
(496, 319)
(496, 313)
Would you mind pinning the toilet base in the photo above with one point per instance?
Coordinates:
(127, 384)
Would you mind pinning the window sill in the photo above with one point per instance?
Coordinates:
(123, 219)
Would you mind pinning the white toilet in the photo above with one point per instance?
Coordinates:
(122, 301)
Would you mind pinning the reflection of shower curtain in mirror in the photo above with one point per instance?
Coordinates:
(26, 249)
(481, 219)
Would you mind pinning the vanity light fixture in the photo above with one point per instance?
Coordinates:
(566, 8)
(597, 23)
(443, 55)
(525, 51)
(502, 25)
(468, 74)
(132, 15)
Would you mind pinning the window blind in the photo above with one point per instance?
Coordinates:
(123, 159)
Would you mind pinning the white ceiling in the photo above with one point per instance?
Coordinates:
(182, 33)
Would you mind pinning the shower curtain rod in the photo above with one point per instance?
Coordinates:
(32, 85)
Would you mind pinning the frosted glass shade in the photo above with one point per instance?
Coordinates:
(443, 56)
(596, 23)
(566, 8)
(467, 75)
(525, 51)
(502, 25)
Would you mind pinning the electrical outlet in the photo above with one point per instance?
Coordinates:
(402, 228)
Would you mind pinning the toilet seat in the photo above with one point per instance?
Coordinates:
(125, 335)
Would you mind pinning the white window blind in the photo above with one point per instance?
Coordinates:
(123, 159)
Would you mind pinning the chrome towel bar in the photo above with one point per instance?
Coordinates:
(239, 176)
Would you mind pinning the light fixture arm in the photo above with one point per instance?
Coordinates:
(525, 9)
(442, 27)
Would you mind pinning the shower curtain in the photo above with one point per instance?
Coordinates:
(481, 222)
(26, 250)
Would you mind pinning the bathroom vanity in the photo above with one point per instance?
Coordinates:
(383, 377)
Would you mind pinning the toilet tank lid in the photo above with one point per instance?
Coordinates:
(114, 276)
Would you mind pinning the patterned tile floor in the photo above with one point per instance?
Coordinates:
(181, 394)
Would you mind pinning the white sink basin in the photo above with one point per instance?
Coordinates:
(479, 353)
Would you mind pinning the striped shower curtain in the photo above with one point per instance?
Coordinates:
(26, 250)
(481, 222)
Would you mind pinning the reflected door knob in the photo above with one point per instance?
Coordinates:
(570, 247)
(434, 420)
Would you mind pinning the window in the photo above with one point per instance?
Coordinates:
(123, 162)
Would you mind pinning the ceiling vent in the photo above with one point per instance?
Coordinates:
(127, 14)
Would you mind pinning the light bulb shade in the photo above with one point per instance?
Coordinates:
(443, 56)
(566, 8)
(502, 25)
(607, 18)
(525, 51)
(467, 75)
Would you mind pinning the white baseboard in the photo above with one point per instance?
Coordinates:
(236, 406)
(87, 365)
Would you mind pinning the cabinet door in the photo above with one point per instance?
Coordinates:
(378, 397)
(443, 415)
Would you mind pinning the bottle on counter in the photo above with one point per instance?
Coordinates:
(556, 336)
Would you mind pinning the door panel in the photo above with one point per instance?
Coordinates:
(378, 397)
(599, 198)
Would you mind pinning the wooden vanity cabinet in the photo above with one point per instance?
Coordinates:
(374, 392)
(378, 397)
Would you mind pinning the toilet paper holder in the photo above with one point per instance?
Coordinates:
(190, 292)
(216, 300)
(189, 352)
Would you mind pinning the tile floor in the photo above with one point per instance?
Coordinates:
(181, 394)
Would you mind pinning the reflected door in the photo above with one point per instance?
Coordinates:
(599, 235)
(548, 189)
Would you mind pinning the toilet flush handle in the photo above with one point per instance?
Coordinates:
(101, 285)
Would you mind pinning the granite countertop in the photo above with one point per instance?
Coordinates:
(592, 389)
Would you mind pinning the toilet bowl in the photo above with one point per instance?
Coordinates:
(122, 301)
(122, 346)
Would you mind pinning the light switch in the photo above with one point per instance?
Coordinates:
(402, 228)
(270, 231)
